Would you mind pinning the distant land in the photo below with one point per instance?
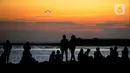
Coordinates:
(88, 42)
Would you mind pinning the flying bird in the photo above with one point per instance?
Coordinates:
(47, 11)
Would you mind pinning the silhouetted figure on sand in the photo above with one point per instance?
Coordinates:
(64, 45)
(109, 58)
(87, 59)
(81, 55)
(7, 49)
(52, 57)
(72, 47)
(125, 53)
(115, 53)
(111, 52)
(27, 56)
(58, 58)
(98, 56)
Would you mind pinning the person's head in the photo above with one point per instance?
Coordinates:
(111, 49)
(53, 52)
(115, 48)
(58, 52)
(81, 50)
(27, 43)
(7, 41)
(88, 50)
(97, 49)
(64, 36)
(125, 48)
(27, 46)
(73, 37)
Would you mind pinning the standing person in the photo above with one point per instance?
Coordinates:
(64, 44)
(7, 49)
(125, 53)
(115, 52)
(72, 46)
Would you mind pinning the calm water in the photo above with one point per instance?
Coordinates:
(41, 53)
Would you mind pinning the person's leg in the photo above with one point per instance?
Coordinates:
(7, 58)
(6, 55)
(73, 56)
(62, 53)
(66, 53)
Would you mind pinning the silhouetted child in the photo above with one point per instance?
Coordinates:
(52, 57)
(27, 56)
(7, 49)
(81, 55)
(58, 57)
(72, 47)
(64, 47)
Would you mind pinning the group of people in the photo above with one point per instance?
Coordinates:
(26, 58)
(64, 46)
(84, 57)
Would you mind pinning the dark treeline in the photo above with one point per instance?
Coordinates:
(104, 42)
(88, 42)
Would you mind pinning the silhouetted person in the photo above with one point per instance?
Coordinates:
(115, 53)
(98, 56)
(27, 56)
(125, 53)
(72, 47)
(52, 57)
(111, 52)
(87, 58)
(81, 55)
(64, 47)
(109, 58)
(58, 57)
(7, 49)
(87, 53)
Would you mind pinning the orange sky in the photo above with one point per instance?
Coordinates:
(80, 17)
(62, 10)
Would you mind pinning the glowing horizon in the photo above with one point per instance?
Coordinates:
(93, 17)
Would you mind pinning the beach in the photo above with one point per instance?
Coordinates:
(42, 52)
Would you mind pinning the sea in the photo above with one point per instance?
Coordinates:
(42, 53)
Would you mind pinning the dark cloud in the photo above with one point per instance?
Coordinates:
(11, 23)
(33, 33)
(113, 24)
(55, 23)
(22, 22)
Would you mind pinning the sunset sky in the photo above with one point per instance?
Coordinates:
(47, 20)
